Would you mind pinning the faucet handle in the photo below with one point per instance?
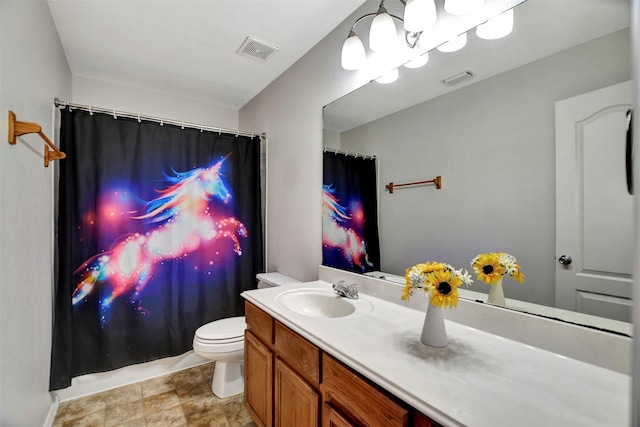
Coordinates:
(348, 290)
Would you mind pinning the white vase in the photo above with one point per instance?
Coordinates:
(434, 333)
(496, 294)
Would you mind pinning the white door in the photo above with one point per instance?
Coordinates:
(594, 211)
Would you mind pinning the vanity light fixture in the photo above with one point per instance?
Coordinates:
(353, 54)
(462, 7)
(419, 15)
(389, 77)
(382, 34)
(419, 61)
(497, 27)
(454, 44)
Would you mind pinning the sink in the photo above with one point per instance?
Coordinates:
(325, 303)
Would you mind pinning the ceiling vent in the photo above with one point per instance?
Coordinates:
(457, 78)
(257, 49)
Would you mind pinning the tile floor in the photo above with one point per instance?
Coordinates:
(183, 398)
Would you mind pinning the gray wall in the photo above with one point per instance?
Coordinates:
(493, 142)
(34, 71)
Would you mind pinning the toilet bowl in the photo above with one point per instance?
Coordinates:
(223, 342)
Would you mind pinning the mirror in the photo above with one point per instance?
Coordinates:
(492, 138)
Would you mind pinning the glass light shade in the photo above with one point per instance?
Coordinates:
(454, 44)
(389, 77)
(419, 15)
(462, 7)
(382, 35)
(353, 54)
(497, 27)
(419, 61)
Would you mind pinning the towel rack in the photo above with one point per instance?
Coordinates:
(437, 181)
(17, 128)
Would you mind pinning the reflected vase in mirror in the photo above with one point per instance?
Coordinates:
(491, 267)
(496, 294)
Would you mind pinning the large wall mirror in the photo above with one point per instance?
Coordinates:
(495, 140)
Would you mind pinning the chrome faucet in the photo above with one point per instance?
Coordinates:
(346, 290)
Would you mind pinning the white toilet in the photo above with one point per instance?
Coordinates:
(223, 342)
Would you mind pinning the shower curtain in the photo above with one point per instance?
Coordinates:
(159, 232)
(350, 213)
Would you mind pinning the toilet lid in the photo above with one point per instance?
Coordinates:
(229, 329)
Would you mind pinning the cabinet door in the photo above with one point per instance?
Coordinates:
(258, 385)
(332, 418)
(296, 402)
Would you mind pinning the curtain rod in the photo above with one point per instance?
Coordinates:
(161, 120)
(348, 153)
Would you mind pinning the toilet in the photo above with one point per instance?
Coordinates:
(223, 342)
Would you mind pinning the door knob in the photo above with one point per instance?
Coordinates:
(565, 260)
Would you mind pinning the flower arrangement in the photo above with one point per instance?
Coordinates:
(438, 280)
(491, 266)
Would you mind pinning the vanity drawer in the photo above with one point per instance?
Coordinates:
(299, 353)
(259, 323)
(358, 400)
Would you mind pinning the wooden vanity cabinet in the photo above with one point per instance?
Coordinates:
(258, 366)
(258, 380)
(282, 372)
(289, 382)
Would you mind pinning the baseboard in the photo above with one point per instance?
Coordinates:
(53, 410)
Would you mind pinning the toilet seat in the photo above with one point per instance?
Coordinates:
(223, 331)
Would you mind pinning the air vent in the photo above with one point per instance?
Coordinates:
(257, 49)
(457, 78)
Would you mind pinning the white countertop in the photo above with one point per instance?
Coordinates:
(479, 379)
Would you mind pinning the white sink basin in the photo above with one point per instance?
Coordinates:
(325, 303)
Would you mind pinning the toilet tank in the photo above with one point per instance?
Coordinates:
(269, 280)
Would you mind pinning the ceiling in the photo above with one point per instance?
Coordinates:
(188, 48)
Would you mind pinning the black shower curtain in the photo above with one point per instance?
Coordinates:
(159, 232)
(350, 213)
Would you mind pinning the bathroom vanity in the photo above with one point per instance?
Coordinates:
(290, 381)
(338, 366)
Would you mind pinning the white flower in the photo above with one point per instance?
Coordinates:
(464, 276)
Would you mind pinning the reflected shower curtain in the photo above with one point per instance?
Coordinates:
(159, 232)
(350, 213)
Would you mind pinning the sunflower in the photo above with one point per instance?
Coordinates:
(438, 280)
(443, 288)
(488, 268)
(518, 276)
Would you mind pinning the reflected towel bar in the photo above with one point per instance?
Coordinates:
(17, 128)
(437, 181)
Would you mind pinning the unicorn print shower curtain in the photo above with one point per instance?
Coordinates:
(350, 213)
(159, 231)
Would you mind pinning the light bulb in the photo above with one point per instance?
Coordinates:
(454, 44)
(353, 54)
(419, 61)
(419, 15)
(462, 7)
(496, 27)
(389, 77)
(382, 35)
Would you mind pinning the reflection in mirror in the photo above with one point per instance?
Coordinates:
(493, 138)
